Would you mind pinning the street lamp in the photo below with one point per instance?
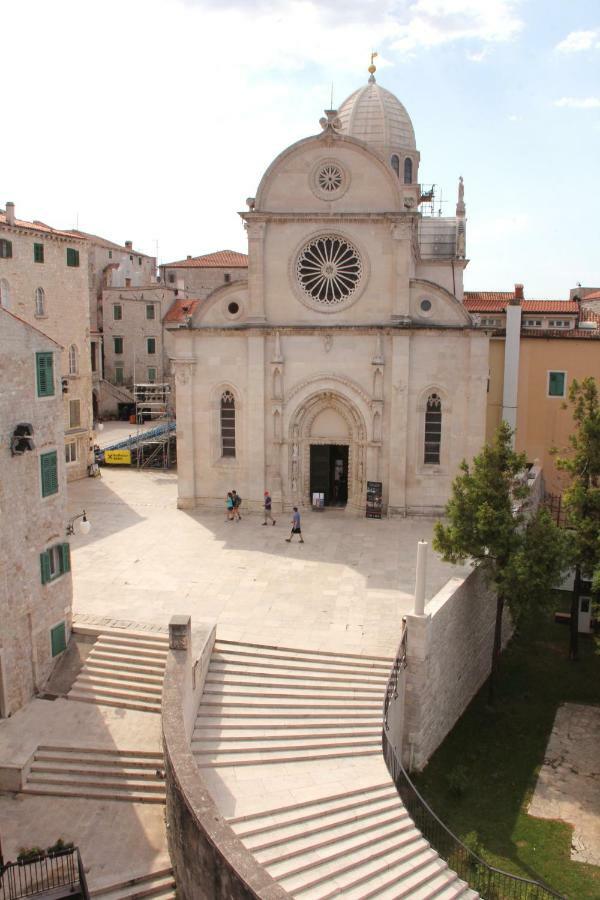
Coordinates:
(84, 525)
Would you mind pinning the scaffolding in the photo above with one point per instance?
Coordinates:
(156, 448)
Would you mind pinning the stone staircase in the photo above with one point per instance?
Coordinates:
(125, 775)
(348, 835)
(358, 844)
(159, 884)
(123, 669)
(264, 705)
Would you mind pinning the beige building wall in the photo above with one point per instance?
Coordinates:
(543, 422)
(200, 281)
(135, 328)
(29, 609)
(65, 317)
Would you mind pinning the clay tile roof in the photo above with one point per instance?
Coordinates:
(37, 226)
(179, 311)
(497, 301)
(229, 259)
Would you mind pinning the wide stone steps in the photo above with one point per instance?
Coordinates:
(357, 844)
(133, 776)
(159, 884)
(265, 705)
(124, 670)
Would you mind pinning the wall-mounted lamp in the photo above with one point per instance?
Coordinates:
(84, 526)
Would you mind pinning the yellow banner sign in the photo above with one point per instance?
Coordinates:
(117, 457)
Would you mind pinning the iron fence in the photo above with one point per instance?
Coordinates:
(61, 869)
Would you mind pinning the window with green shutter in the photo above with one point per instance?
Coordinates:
(5, 249)
(117, 312)
(152, 375)
(556, 384)
(54, 562)
(38, 253)
(151, 342)
(118, 345)
(49, 472)
(149, 310)
(44, 366)
(119, 375)
(72, 257)
(58, 638)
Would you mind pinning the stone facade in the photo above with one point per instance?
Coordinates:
(30, 609)
(319, 372)
(41, 287)
(199, 276)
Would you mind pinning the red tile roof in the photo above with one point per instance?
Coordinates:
(229, 259)
(37, 226)
(180, 310)
(497, 301)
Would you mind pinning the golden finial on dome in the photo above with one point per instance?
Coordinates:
(372, 68)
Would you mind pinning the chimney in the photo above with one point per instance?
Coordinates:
(518, 296)
(10, 212)
(189, 256)
(129, 245)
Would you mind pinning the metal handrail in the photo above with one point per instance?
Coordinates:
(491, 883)
(26, 878)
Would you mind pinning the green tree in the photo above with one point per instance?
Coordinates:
(582, 497)
(488, 521)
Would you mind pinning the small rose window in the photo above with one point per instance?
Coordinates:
(330, 178)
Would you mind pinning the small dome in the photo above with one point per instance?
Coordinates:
(377, 117)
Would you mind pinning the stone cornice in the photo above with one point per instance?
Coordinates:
(32, 231)
(271, 329)
(326, 218)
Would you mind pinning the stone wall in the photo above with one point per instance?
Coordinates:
(31, 524)
(449, 652)
(209, 860)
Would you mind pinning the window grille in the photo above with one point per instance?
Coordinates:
(433, 430)
(73, 362)
(227, 424)
(408, 170)
(40, 302)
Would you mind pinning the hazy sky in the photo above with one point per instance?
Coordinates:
(153, 120)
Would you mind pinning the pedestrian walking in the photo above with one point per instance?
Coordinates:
(229, 506)
(268, 513)
(237, 502)
(296, 529)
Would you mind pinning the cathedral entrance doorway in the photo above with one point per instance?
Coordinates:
(329, 472)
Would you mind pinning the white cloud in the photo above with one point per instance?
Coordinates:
(431, 23)
(578, 102)
(515, 118)
(577, 41)
(477, 57)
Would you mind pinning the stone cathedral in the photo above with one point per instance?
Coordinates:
(347, 355)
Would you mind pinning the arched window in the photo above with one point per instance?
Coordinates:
(227, 424)
(433, 429)
(408, 170)
(4, 293)
(73, 360)
(395, 164)
(40, 302)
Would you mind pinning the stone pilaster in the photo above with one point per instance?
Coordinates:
(255, 419)
(399, 414)
(256, 270)
(186, 462)
(402, 248)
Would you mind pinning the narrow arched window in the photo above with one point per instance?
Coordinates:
(433, 429)
(227, 424)
(73, 360)
(40, 302)
(408, 170)
(395, 164)
(4, 293)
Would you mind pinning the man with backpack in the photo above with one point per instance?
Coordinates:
(237, 502)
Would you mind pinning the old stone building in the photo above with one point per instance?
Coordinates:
(44, 280)
(347, 355)
(35, 577)
(198, 276)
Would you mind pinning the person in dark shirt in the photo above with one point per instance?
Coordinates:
(268, 513)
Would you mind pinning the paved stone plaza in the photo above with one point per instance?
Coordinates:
(345, 589)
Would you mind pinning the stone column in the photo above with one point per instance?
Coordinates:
(186, 451)
(511, 359)
(397, 434)
(256, 273)
(254, 450)
(419, 606)
(402, 250)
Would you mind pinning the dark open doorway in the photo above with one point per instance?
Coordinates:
(329, 473)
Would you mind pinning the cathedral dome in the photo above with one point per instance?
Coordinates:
(377, 117)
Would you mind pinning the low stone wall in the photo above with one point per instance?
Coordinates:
(209, 860)
(449, 652)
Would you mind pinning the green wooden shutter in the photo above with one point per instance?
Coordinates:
(38, 253)
(49, 468)
(58, 639)
(45, 567)
(65, 558)
(44, 365)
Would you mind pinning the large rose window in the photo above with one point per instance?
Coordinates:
(329, 269)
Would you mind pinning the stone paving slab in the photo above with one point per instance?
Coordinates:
(568, 786)
(144, 560)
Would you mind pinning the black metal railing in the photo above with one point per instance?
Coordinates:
(61, 869)
(489, 882)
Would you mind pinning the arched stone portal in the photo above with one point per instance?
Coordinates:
(327, 438)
